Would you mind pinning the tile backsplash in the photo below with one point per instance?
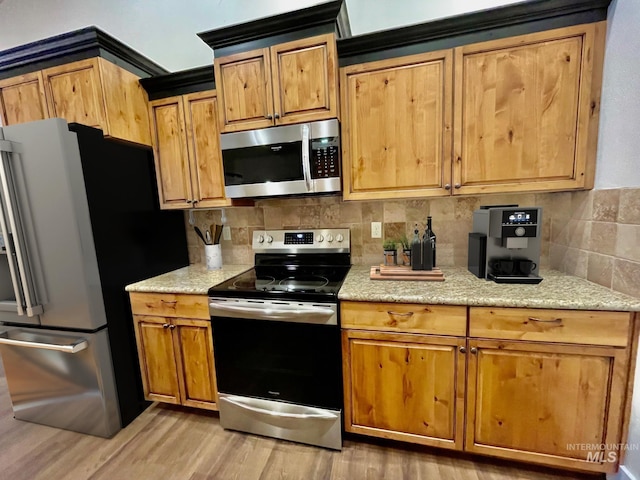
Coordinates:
(594, 234)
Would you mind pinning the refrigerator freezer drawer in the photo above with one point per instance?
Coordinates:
(61, 379)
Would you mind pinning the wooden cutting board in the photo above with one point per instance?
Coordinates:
(385, 272)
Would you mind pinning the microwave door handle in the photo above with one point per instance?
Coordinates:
(306, 157)
(19, 247)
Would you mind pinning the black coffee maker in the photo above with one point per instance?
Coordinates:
(505, 244)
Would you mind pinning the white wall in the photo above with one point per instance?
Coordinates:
(618, 161)
(165, 30)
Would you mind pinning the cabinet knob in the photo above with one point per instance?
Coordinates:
(165, 325)
(189, 201)
(171, 327)
(269, 117)
(447, 186)
(463, 349)
(277, 115)
(474, 350)
(457, 185)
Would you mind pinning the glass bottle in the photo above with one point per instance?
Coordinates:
(427, 250)
(416, 250)
(431, 234)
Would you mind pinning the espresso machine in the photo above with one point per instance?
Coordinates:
(505, 244)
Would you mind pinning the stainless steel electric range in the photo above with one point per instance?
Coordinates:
(276, 338)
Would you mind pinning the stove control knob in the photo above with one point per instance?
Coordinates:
(319, 238)
(520, 231)
(339, 238)
(260, 238)
(269, 239)
(329, 238)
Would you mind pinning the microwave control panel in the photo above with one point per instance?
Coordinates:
(325, 157)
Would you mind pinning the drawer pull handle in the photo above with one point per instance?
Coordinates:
(554, 320)
(397, 314)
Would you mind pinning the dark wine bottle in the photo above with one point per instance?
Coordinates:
(432, 236)
(416, 250)
(427, 251)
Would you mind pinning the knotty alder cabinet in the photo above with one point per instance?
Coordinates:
(186, 145)
(509, 115)
(288, 83)
(404, 386)
(525, 384)
(92, 92)
(175, 349)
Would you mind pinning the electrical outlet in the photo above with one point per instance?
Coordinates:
(226, 233)
(376, 229)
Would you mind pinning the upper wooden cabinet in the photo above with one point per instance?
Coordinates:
(287, 83)
(187, 151)
(22, 99)
(92, 92)
(526, 111)
(397, 127)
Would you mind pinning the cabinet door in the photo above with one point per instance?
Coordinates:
(74, 92)
(22, 99)
(542, 403)
(397, 127)
(157, 359)
(194, 344)
(305, 80)
(207, 178)
(243, 83)
(524, 109)
(170, 151)
(404, 387)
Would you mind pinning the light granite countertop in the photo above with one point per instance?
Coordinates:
(557, 290)
(194, 279)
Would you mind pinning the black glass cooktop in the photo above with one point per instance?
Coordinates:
(295, 282)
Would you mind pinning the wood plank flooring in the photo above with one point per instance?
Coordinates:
(167, 443)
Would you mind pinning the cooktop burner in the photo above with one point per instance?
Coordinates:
(299, 282)
(307, 265)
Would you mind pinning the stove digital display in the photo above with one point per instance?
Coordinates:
(298, 238)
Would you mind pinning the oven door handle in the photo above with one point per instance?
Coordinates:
(317, 415)
(258, 311)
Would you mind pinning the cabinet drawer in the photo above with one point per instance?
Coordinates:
(562, 326)
(405, 317)
(170, 305)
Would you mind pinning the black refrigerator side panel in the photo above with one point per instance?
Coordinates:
(134, 240)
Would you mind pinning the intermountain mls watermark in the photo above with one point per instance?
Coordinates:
(602, 452)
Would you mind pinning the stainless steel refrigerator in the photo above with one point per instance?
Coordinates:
(80, 219)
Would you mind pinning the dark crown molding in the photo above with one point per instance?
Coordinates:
(178, 83)
(470, 23)
(84, 43)
(317, 15)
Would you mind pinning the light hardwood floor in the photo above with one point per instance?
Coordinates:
(167, 443)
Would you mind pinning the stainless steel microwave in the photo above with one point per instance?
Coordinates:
(287, 160)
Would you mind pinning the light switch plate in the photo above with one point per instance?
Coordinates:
(376, 229)
(226, 233)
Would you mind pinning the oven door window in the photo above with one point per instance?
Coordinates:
(265, 163)
(292, 362)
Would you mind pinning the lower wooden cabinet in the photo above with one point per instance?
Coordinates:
(544, 402)
(176, 353)
(532, 389)
(404, 387)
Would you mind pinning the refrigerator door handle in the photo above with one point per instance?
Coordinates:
(16, 252)
(75, 346)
